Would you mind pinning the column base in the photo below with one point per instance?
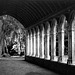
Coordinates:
(70, 62)
(54, 58)
(47, 58)
(63, 59)
(29, 54)
(42, 57)
(33, 55)
(37, 56)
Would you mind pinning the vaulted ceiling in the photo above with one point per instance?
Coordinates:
(29, 12)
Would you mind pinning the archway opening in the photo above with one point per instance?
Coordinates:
(12, 37)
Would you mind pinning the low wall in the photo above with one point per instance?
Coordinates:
(52, 66)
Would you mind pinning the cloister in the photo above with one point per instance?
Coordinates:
(53, 40)
(37, 37)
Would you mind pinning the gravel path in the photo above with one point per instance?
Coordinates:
(17, 66)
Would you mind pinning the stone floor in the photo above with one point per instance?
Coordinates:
(18, 66)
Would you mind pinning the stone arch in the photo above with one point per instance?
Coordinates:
(72, 20)
(54, 23)
(10, 24)
(71, 35)
(47, 27)
(62, 37)
(61, 22)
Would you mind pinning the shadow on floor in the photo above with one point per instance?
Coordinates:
(36, 73)
(33, 73)
(59, 68)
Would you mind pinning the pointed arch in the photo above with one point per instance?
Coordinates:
(71, 35)
(11, 24)
(62, 37)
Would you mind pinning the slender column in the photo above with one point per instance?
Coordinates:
(34, 44)
(38, 43)
(61, 46)
(31, 44)
(47, 46)
(27, 44)
(42, 43)
(71, 47)
(61, 35)
(48, 43)
(53, 41)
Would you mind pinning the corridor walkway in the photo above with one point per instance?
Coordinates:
(17, 66)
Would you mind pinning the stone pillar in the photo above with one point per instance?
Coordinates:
(53, 41)
(42, 43)
(47, 46)
(31, 44)
(71, 47)
(26, 53)
(28, 44)
(38, 42)
(34, 43)
(61, 34)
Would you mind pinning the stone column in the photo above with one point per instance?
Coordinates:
(42, 43)
(71, 47)
(61, 45)
(38, 42)
(26, 53)
(61, 35)
(53, 41)
(47, 46)
(27, 44)
(31, 44)
(34, 43)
